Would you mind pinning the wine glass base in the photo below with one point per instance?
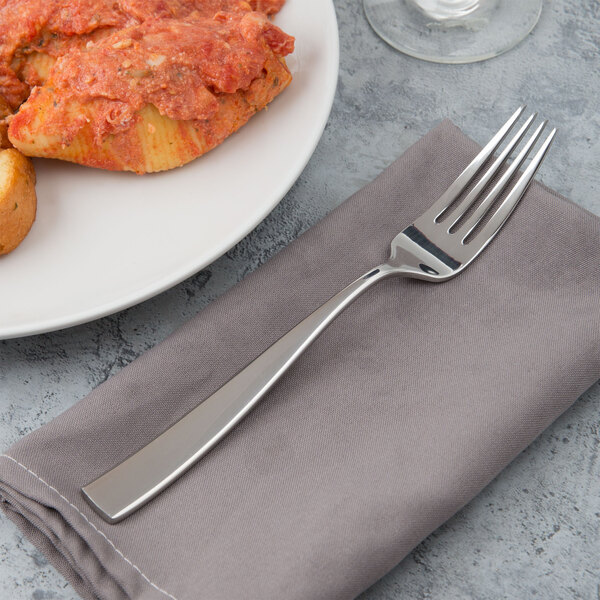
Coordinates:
(482, 34)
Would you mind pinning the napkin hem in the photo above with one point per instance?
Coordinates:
(102, 534)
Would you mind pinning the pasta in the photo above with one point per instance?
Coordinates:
(127, 85)
(166, 129)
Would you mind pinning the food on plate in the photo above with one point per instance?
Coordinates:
(17, 198)
(5, 111)
(156, 95)
(33, 33)
(128, 85)
(137, 85)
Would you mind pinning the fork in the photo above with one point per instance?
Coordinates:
(440, 244)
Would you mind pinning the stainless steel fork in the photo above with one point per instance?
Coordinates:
(437, 246)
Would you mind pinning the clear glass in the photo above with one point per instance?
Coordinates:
(453, 31)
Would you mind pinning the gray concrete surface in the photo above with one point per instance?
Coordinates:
(535, 531)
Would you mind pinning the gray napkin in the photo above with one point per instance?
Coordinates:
(404, 409)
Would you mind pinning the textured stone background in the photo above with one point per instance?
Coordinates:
(535, 531)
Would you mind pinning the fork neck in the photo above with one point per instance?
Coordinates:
(378, 273)
(337, 303)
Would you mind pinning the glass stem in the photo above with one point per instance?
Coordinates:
(443, 10)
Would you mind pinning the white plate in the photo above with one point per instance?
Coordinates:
(104, 241)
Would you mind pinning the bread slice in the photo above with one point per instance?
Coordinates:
(18, 201)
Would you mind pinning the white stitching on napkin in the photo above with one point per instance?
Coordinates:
(92, 525)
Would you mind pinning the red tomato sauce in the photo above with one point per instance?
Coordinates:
(179, 65)
(57, 27)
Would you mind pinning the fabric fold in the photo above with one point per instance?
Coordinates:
(399, 414)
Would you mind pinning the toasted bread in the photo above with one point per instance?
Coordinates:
(18, 201)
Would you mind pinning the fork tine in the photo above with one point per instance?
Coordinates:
(491, 228)
(469, 225)
(460, 183)
(472, 196)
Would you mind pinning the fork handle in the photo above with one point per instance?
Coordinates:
(142, 476)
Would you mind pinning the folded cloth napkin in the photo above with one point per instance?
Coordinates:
(404, 409)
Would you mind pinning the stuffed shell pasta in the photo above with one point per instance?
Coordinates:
(154, 96)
